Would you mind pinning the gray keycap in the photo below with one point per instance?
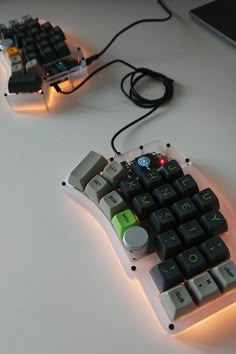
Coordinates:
(136, 239)
(114, 173)
(33, 66)
(112, 204)
(16, 59)
(16, 68)
(203, 288)
(89, 167)
(97, 188)
(177, 302)
(5, 43)
(225, 276)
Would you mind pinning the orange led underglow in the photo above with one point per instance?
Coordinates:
(137, 218)
(183, 329)
(4, 72)
(52, 97)
(106, 243)
(31, 108)
(147, 303)
(223, 322)
(204, 328)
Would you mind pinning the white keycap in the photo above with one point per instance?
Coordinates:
(16, 59)
(112, 204)
(16, 68)
(114, 173)
(97, 188)
(203, 288)
(89, 167)
(34, 66)
(177, 302)
(225, 276)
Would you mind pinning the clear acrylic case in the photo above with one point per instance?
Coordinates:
(143, 265)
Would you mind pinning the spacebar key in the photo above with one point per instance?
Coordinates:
(88, 168)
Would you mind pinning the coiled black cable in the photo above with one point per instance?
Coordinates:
(135, 76)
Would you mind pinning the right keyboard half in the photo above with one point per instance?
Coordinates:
(168, 227)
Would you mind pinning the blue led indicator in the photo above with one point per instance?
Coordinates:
(144, 161)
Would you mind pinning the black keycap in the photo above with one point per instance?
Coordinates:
(192, 233)
(32, 23)
(61, 49)
(2, 31)
(191, 262)
(130, 187)
(18, 38)
(28, 41)
(214, 250)
(33, 31)
(143, 205)
(43, 43)
(167, 245)
(151, 179)
(171, 170)
(21, 28)
(162, 220)
(7, 33)
(31, 55)
(57, 38)
(47, 54)
(206, 200)
(186, 186)
(21, 82)
(42, 36)
(185, 210)
(33, 27)
(57, 30)
(214, 222)
(29, 48)
(46, 26)
(166, 275)
(165, 195)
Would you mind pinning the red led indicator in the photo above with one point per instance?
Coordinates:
(162, 162)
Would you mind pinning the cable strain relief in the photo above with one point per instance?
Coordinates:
(91, 59)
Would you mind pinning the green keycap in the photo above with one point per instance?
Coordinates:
(122, 221)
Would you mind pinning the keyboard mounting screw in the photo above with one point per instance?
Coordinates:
(187, 160)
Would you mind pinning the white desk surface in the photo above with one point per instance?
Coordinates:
(62, 290)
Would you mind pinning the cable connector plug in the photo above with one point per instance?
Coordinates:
(91, 59)
(56, 87)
